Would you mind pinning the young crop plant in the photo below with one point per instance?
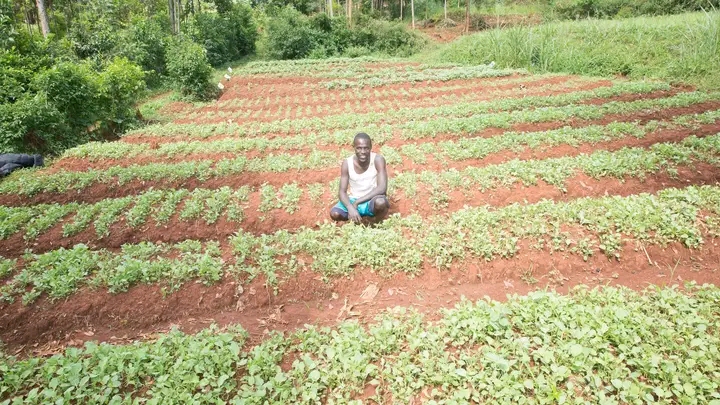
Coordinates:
(268, 198)
(315, 192)
(7, 267)
(49, 215)
(235, 208)
(139, 213)
(84, 215)
(194, 206)
(165, 210)
(57, 273)
(216, 203)
(12, 219)
(109, 214)
(289, 197)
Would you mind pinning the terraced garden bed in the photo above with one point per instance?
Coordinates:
(500, 183)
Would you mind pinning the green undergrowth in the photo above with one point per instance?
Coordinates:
(678, 48)
(584, 227)
(600, 346)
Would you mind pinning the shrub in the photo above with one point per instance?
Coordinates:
(387, 38)
(33, 124)
(188, 67)
(120, 85)
(145, 42)
(72, 89)
(289, 35)
(227, 36)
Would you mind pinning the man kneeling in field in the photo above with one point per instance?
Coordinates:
(366, 174)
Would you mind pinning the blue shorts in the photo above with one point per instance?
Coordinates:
(365, 209)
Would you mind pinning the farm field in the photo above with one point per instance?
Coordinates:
(501, 183)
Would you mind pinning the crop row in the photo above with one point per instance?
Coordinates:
(265, 100)
(600, 346)
(61, 272)
(358, 75)
(499, 113)
(358, 106)
(301, 67)
(463, 148)
(553, 171)
(158, 205)
(584, 227)
(392, 76)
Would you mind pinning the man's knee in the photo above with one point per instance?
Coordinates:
(381, 204)
(337, 215)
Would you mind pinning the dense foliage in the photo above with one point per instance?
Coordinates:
(293, 35)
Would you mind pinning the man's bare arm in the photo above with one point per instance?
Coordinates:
(353, 213)
(344, 181)
(382, 180)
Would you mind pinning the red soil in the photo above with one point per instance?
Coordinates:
(309, 213)
(46, 326)
(100, 191)
(305, 299)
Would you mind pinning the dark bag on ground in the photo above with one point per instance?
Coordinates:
(13, 161)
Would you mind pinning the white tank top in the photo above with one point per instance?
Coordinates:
(363, 183)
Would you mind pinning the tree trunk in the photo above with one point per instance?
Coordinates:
(401, 9)
(42, 17)
(412, 11)
(171, 13)
(445, 6)
(349, 12)
(467, 16)
(330, 7)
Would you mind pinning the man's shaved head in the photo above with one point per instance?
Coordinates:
(362, 135)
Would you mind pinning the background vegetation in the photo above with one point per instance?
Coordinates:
(677, 48)
(74, 72)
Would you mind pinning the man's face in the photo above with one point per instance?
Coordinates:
(362, 149)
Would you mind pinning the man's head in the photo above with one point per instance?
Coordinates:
(363, 145)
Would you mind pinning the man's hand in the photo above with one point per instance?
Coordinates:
(353, 214)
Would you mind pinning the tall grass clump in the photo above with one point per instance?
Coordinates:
(682, 48)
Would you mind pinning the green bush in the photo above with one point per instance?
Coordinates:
(292, 35)
(65, 105)
(93, 36)
(227, 36)
(289, 35)
(388, 38)
(72, 88)
(120, 86)
(144, 43)
(33, 124)
(188, 68)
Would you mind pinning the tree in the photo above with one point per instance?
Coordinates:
(42, 17)
(412, 10)
(467, 16)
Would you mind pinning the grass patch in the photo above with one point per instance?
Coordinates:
(680, 48)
